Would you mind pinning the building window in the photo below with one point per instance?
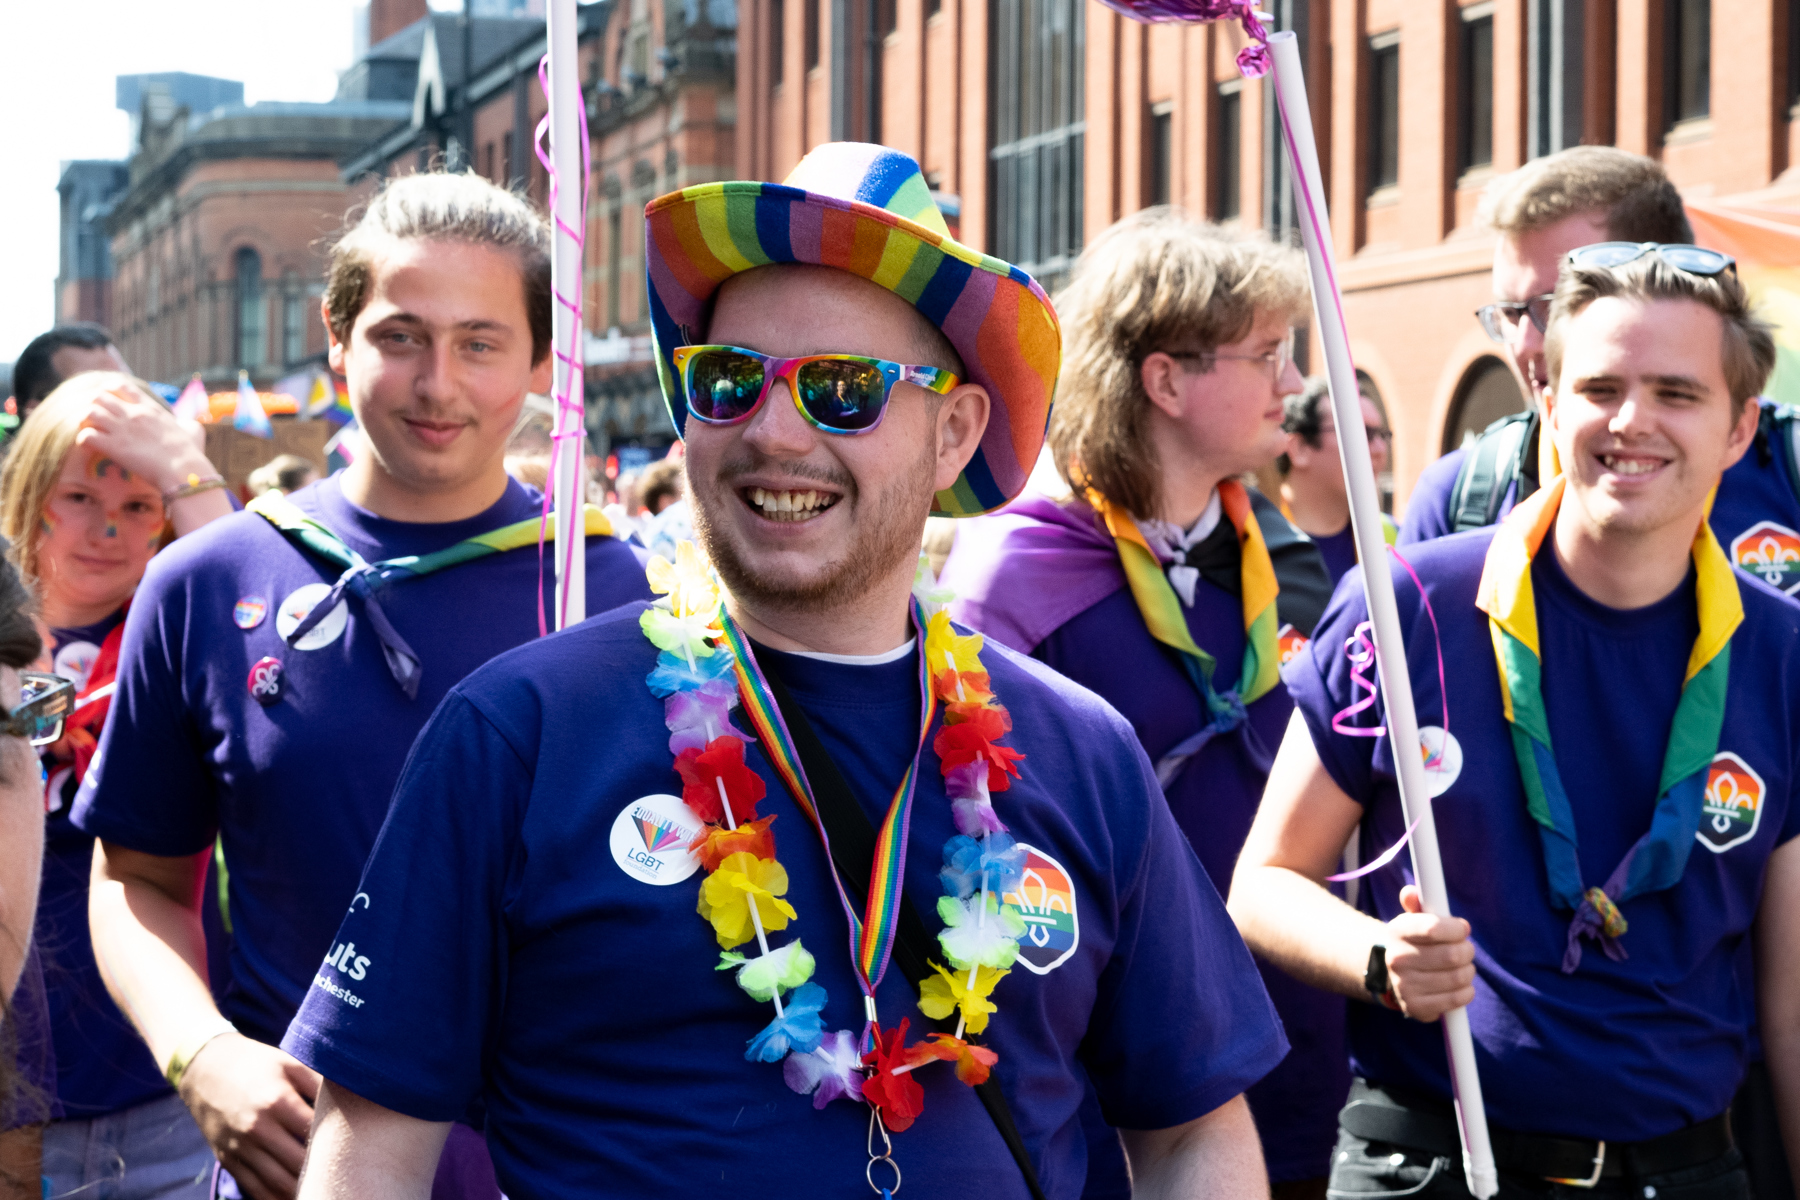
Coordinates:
(1384, 111)
(1161, 157)
(506, 154)
(1037, 104)
(1228, 152)
(615, 246)
(887, 16)
(1554, 81)
(1487, 392)
(487, 164)
(777, 40)
(252, 310)
(1687, 70)
(933, 7)
(811, 32)
(293, 319)
(1475, 99)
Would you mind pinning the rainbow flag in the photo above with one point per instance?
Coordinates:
(1762, 231)
(192, 404)
(250, 416)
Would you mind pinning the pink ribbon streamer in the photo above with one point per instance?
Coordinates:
(568, 414)
(1361, 652)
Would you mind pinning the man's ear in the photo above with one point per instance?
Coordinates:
(1161, 376)
(334, 352)
(543, 374)
(1743, 432)
(962, 418)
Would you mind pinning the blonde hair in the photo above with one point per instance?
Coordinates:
(34, 461)
(440, 205)
(1749, 341)
(1158, 280)
(1631, 193)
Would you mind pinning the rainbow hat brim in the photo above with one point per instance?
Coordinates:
(994, 314)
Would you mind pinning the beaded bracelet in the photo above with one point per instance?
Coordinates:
(193, 487)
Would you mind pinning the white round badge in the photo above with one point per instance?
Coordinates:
(1443, 757)
(294, 610)
(650, 840)
(75, 662)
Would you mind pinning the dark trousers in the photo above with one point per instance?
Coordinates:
(1392, 1171)
(1360, 1168)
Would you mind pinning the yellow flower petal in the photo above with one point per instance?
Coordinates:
(940, 638)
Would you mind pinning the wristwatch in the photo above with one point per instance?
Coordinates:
(1375, 979)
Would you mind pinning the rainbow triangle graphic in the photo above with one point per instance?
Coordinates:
(657, 836)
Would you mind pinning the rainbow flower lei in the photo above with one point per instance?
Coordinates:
(742, 895)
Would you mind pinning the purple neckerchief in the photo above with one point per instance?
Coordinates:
(1059, 561)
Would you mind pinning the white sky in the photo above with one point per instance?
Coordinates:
(56, 89)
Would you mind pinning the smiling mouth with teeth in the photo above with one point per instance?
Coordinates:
(788, 505)
(1629, 466)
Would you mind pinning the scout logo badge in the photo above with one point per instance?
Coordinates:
(1732, 807)
(248, 613)
(1770, 552)
(1291, 642)
(650, 839)
(266, 680)
(1046, 899)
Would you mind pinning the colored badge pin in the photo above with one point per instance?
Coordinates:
(249, 612)
(267, 680)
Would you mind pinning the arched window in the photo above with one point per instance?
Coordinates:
(252, 310)
(293, 318)
(1487, 392)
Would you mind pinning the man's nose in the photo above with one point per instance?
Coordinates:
(777, 428)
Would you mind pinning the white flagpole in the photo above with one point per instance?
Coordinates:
(1371, 548)
(567, 342)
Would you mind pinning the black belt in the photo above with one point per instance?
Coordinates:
(1380, 1114)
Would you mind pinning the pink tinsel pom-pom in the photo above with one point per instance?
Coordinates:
(1253, 60)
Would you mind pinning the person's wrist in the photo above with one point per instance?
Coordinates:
(189, 1048)
(185, 469)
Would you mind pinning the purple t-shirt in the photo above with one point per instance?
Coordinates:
(1339, 552)
(102, 1065)
(26, 1029)
(297, 790)
(1663, 1035)
(1214, 799)
(492, 903)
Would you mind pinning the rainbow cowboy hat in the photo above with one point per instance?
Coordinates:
(866, 209)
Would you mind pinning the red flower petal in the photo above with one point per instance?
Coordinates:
(899, 1097)
(700, 771)
(715, 843)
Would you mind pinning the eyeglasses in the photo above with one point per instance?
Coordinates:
(46, 702)
(838, 393)
(1500, 320)
(1695, 260)
(1276, 360)
(1375, 433)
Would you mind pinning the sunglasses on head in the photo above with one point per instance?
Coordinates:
(1695, 260)
(838, 393)
(45, 702)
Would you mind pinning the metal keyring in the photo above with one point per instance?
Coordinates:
(869, 1174)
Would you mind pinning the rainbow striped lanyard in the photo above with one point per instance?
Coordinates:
(872, 933)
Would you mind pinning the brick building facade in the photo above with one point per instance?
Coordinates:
(1042, 121)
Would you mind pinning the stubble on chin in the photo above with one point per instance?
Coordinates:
(887, 529)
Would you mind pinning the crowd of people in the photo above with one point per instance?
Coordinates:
(309, 892)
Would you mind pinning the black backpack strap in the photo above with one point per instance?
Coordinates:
(1778, 434)
(1504, 454)
(852, 837)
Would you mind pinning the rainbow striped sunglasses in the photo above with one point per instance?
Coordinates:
(838, 393)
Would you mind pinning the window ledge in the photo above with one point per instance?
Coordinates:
(1475, 177)
(1383, 197)
(1685, 133)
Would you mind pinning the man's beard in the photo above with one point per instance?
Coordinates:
(888, 531)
